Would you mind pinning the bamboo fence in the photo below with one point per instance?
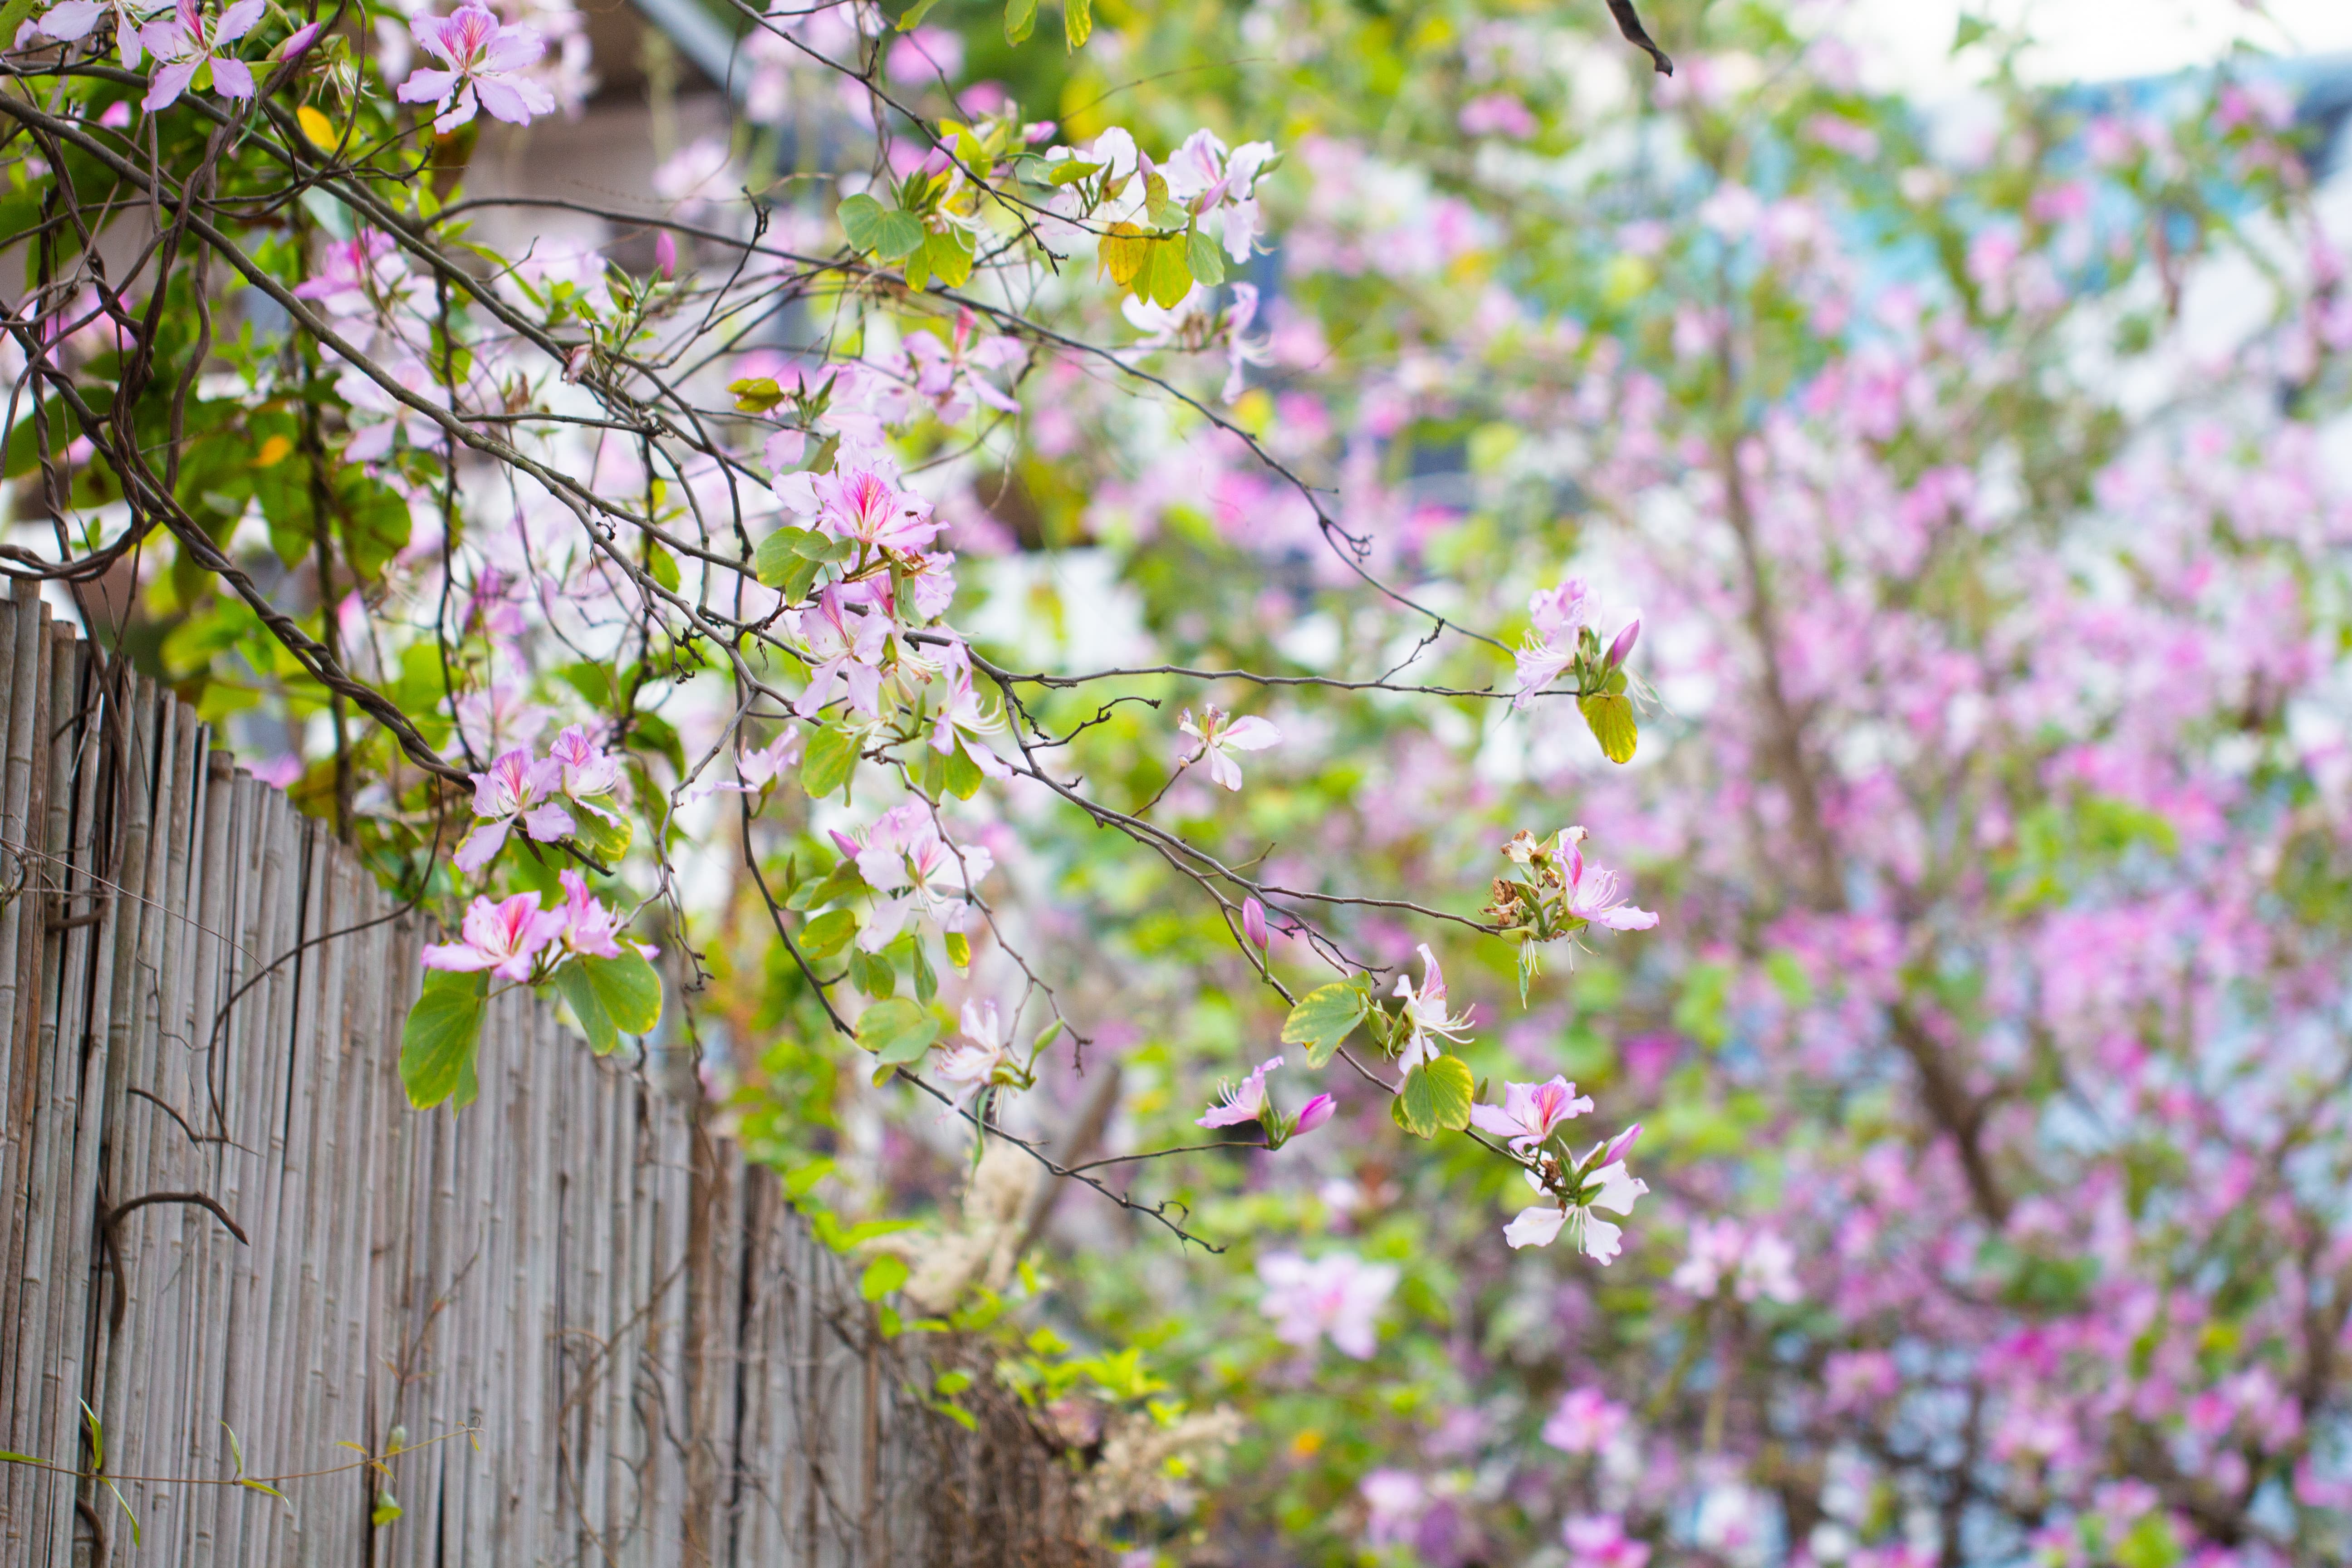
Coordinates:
(571, 1326)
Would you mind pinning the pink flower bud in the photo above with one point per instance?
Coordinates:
(1315, 1113)
(1036, 131)
(848, 846)
(1625, 643)
(297, 41)
(1620, 1145)
(666, 254)
(935, 162)
(1253, 923)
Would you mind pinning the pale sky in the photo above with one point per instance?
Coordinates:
(1907, 43)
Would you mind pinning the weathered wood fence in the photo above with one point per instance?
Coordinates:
(601, 1338)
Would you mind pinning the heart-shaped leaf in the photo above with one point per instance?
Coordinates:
(1436, 1094)
(1206, 262)
(628, 989)
(1325, 1017)
(437, 1044)
(897, 1031)
(1611, 719)
(828, 933)
(832, 757)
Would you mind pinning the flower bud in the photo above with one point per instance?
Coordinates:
(297, 41)
(1315, 1113)
(1253, 923)
(936, 162)
(666, 254)
(1625, 643)
(1619, 1146)
(848, 846)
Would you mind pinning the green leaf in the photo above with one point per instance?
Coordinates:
(1020, 20)
(897, 1031)
(831, 758)
(915, 14)
(661, 565)
(629, 990)
(602, 840)
(1070, 171)
(1166, 277)
(899, 236)
(962, 774)
(958, 950)
(1325, 1017)
(1611, 719)
(828, 933)
(861, 219)
(882, 1276)
(1435, 1094)
(1205, 260)
(438, 1042)
(948, 259)
(387, 1509)
(10, 1455)
(873, 974)
(840, 883)
(572, 981)
(757, 394)
(13, 15)
(1078, 23)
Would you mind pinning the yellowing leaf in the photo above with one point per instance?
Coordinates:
(1611, 719)
(273, 452)
(1124, 251)
(316, 126)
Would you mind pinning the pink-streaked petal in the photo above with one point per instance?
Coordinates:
(231, 79)
(169, 83)
(1494, 1119)
(1227, 1116)
(478, 849)
(1625, 917)
(426, 87)
(70, 20)
(515, 102)
(1250, 734)
(549, 823)
(513, 49)
(238, 20)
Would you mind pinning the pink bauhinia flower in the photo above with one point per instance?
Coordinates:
(589, 928)
(1586, 1421)
(862, 504)
(844, 647)
(1336, 1294)
(1244, 1101)
(516, 789)
(590, 772)
(908, 858)
(185, 42)
(1425, 1014)
(1218, 734)
(1529, 1112)
(986, 1053)
(503, 937)
(947, 373)
(486, 60)
(1608, 1186)
(1593, 892)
